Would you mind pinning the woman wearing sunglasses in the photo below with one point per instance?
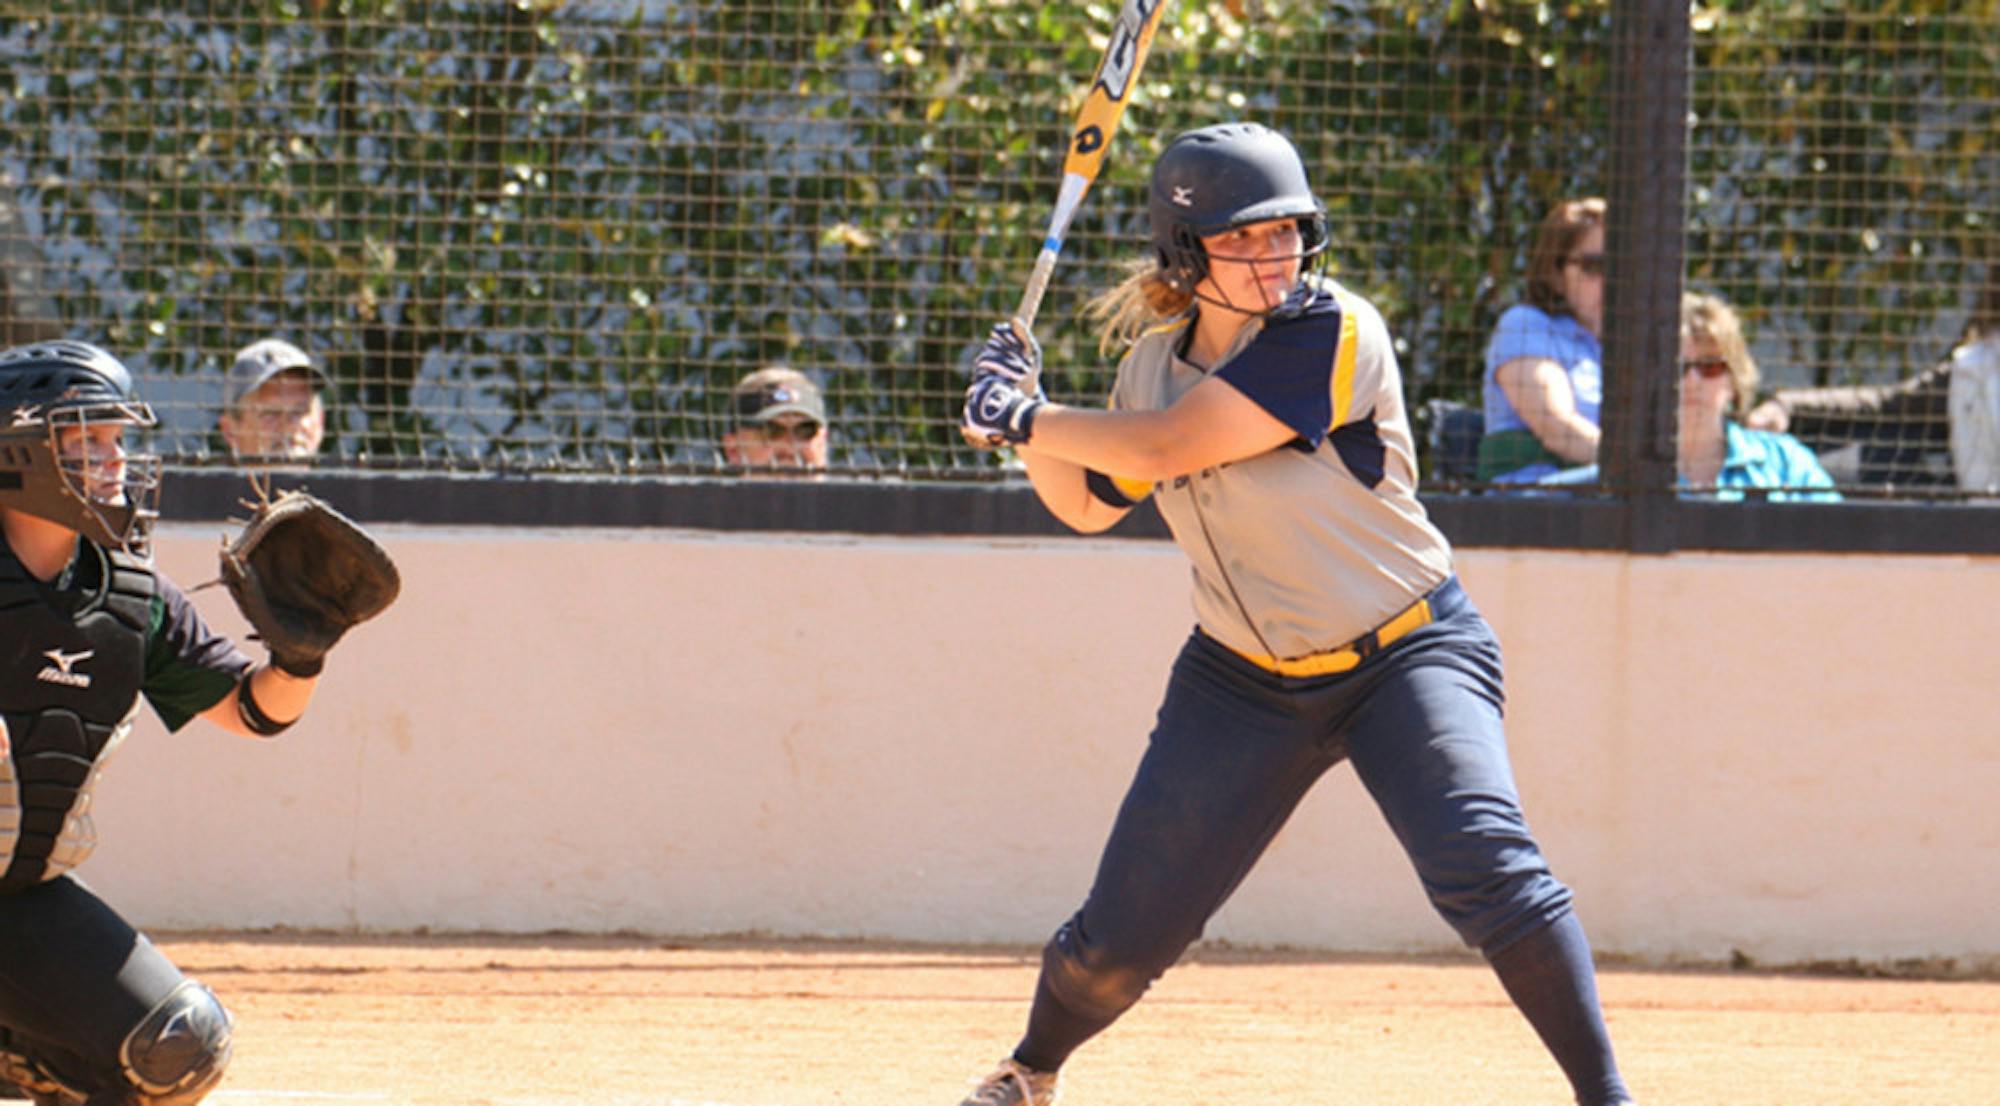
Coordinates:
(1544, 381)
(1718, 454)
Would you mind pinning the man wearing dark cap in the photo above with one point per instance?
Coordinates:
(271, 406)
(780, 422)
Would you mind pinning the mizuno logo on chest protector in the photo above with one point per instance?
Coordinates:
(61, 671)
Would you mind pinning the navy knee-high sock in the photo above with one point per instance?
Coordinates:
(1549, 976)
(1055, 1030)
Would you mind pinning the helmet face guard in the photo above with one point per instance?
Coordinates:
(1198, 263)
(55, 461)
(116, 499)
(1217, 179)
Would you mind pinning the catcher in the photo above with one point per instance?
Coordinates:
(91, 1014)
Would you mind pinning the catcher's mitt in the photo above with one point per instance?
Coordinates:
(302, 573)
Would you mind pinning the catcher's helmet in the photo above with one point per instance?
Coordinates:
(1221, 177)
(49, 387)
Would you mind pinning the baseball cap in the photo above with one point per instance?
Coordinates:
(260, 361)
(777, 390)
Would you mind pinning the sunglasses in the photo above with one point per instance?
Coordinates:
(789, 431)
(1592, 264)
(1708, 367)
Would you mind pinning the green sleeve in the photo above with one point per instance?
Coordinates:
(188, 668)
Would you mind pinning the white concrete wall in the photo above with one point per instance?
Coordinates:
(1797, 757)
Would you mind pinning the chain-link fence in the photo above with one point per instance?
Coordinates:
(552, 236)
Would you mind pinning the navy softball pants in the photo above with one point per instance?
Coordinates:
(1234, 750)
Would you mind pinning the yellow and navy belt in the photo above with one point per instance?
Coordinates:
(1413, 617)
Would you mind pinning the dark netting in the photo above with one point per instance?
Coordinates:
(552, 236)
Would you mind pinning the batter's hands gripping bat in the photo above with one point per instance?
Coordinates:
(1103, 105)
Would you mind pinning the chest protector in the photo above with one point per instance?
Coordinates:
(72, 661)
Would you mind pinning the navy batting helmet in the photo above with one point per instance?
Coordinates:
(47, 388)
(1222, 177)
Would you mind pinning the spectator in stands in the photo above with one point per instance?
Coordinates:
(1975, 397)
(1716, 453)
(1944, 420)
(1871, 433)
(1544, 380)
(271, 405)
(780, 422)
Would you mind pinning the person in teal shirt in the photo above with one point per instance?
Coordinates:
(1718, 457)
(1717, 454)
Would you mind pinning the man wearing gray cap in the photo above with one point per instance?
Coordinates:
(271, 406)
(780, 422)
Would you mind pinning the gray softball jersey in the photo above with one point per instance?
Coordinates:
(1305, 548)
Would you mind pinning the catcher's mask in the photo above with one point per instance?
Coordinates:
(55, 461)
(1217, 179)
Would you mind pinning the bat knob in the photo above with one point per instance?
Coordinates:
(977, 440)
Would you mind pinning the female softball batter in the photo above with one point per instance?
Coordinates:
(1262, 405)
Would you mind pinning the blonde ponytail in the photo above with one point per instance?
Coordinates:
(1130, 307)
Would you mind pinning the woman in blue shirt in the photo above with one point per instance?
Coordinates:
(1544, 381)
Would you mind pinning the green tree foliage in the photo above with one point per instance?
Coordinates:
(539, 234)
(1844, 178)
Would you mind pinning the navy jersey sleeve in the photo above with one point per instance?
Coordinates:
(189, 668)
(1290, 368)
(1287, 377)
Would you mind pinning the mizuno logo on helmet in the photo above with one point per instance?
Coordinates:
(1183, 195)
(60, 672)
(27, 414)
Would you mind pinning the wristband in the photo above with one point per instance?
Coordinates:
(1024, 421)
(261, 724)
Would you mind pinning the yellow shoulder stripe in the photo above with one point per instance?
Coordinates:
(1343, 359)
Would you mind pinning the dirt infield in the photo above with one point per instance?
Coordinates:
(505, 1021)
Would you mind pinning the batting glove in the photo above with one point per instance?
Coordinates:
(1007, 356)
(999, 411)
